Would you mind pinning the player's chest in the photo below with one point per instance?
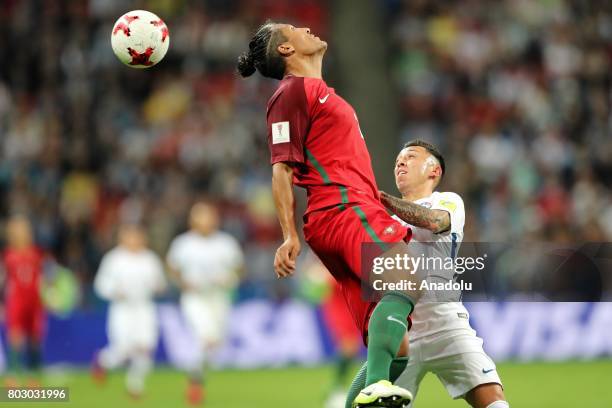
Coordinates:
(20, 264)
(335, 128)
(204, 255)
(329, 107)
(421, 235)
(134, 269)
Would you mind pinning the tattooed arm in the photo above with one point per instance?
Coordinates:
(436, 221)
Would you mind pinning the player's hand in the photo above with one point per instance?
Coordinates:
(286, 255)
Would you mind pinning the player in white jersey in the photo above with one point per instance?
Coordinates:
(129, 277)
(205, 262)
(441, 338)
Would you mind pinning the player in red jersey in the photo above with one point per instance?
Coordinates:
(316, 143)
(25, 315)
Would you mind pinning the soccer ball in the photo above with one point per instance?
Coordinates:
(140, 39)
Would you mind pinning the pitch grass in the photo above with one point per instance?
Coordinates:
(533, 385)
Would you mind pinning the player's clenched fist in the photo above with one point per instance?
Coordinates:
(286, 255)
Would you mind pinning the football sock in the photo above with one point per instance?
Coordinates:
(139, 367)
(34, 356)
(398, 365)
(196, 374)
(196, 368)
(342, 366)
(14, 360)
(357, 385)
(359, 382)
(386, 330)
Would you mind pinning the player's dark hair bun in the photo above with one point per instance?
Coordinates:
(263, 54)
(246, 64)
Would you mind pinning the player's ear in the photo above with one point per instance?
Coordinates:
(285, 49)
(436, 172)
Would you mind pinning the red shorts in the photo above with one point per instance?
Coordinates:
(25, 317)
(336, 235)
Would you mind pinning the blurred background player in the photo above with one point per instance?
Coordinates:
(206, 264)
(129, 277)
(441, 339)
(320, 287)
(25, 315)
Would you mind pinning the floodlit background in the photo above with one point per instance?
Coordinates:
(516, 94)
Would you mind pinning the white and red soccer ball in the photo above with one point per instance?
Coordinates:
(140, 39)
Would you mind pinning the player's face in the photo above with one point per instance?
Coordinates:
(300, 41)
(132, 238)
(204, 218)
(19, 232)
(414, 166)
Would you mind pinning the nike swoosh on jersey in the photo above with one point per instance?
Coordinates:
(324, 99)
(393, 319)
(487, 371)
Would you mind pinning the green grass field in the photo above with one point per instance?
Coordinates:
(535, 385)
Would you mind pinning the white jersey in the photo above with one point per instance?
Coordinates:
(128, 277)
(441, 339)
(206, 263)
(431, 317)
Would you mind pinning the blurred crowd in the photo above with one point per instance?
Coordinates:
(517, 93)
(87, 143)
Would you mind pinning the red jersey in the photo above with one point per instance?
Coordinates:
(24, 269)
(317, 131)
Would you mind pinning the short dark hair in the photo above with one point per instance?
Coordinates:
(431, 149)
(263, 54)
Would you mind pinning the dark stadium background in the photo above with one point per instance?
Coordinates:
(516, 94)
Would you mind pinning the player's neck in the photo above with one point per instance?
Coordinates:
(417, 193)
(204, 234)
(309, 67)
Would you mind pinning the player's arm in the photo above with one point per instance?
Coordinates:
(282, 189)
(288, 123)
(105, 282)
(437, 221)
(174, 265)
